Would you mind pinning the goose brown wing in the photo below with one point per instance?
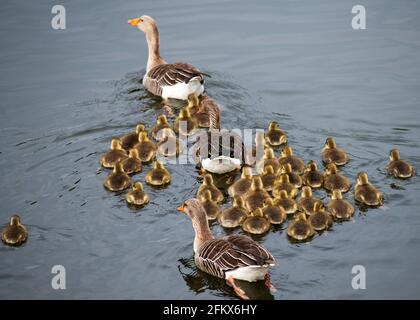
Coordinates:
(218, 256)
(171, 74)
(214, 143)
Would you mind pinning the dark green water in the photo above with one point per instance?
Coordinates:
(65, 94)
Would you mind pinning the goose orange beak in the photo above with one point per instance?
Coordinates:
(134, 22)
(181, 208)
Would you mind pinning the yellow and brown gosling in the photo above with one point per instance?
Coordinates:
(234, 216)
(287, 203)
(129, 141)
(399, 168)
(206, 109)
(306, 201)
(117, 180)
(275, 136)
(159, 176)
(312, 177)
(365, 193)
(294, 178)
(256, 223)
(146, 148)
(208, 184)
(333, 180)
(298, 166)
(115, 154)
(243, 184)
(255, 197)
(210, 206)
(169, 145)
(274, 214)
(320, 219)
(339, 208)
(161, 123)
(15, 233)
(300, 229)
(132, 164)
(269, 159)
(268, 178)
(193, 103)
(332, 154)
(185, 124)
(283, 183)
(137, 196)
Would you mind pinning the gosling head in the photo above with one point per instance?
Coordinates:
(246, 173)
(306, 192)
(362, 178)
(206, 196)
(336, 194)
(269, 153)
(15, 220)
(116, 144)
(162, 119)
(318, 206)
(283, 194)
(158, 165)
(330, 143)
(268, 170)
(331, 169)
(238, 201)
(287, 168)
(284, 178)
(143, 137)
(192, 100)
(184, 113)
(394, 154)
(118, 168)
(312, 166)
(140, 127)
(287, 151)
(138, 186)
(257, 184)
(273, 125)
(134, 153)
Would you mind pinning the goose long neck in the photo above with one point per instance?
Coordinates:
(202, 231)
(153, 44)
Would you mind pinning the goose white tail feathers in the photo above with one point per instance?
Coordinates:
(221, 164)
(182, 90)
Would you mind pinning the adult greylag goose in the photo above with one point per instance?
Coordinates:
(231, 257)
(168, 80)
(218, 150)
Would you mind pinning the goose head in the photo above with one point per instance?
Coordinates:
(144, 23)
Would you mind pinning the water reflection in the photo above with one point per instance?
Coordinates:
(199, 282)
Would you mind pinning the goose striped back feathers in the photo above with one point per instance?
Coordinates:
(218, 256)
(169, 75)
